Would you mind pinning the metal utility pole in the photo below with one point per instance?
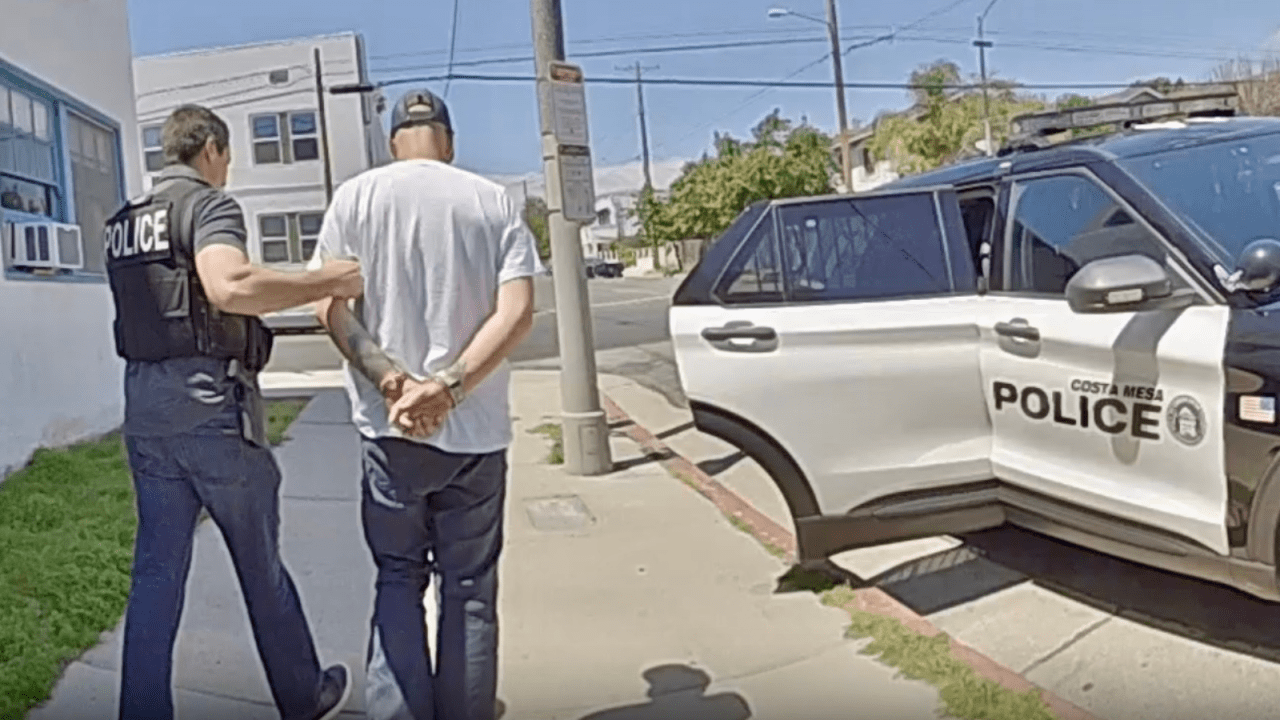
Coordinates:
(833, 28)
(982, 44)
(644, 128)
(570, 200)
(644, 147)
(324, 128)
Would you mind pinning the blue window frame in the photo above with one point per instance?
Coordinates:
(60, 160)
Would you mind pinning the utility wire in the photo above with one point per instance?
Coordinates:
(727, 82)
(747, 101)
(621, 38)
(611, 53)
(216, 81)
(453, 38)
(900, 34)
(156, 114)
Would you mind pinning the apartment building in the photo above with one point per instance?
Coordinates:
(69, 157)
(283, 170)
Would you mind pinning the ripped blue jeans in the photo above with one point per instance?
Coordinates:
(429, 512)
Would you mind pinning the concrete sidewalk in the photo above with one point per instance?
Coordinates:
(1116, 640)
(625, 597)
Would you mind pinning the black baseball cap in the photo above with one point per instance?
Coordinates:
(418, 107)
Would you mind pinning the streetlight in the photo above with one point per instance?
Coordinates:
(982, 45)
(834, 32)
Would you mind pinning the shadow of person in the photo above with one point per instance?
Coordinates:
(678, 692)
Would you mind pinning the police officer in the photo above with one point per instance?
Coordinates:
(186, 300)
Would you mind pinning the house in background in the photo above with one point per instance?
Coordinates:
(267, 94)
(866, 172)
(69, 157)
(615, 220)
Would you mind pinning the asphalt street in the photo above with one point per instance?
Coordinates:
(629, 323)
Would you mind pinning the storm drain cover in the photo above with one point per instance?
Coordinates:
(560, 512)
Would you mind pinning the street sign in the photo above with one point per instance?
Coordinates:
(577, 186)
(568, 104)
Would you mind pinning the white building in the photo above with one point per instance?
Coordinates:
(615, 220)
(267, 94)
(68, 158)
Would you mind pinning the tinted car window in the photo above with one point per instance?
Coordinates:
(754, 274)
(864, 248)
(1062, 223)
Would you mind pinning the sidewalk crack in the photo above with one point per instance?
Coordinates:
(1077, 637)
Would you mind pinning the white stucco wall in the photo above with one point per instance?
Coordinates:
(60, 380)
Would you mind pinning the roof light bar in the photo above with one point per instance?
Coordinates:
(1125, 114)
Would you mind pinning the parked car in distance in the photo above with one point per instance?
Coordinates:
(598, 267)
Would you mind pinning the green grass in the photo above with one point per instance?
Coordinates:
(66, 543)
(554, 433)
(964, 694)
(280, 415)
(67, 523)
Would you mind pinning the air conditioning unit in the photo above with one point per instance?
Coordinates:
(46, 245)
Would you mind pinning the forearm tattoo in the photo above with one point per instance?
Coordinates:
(358, 346)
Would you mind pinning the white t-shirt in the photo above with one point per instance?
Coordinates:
(434, 243)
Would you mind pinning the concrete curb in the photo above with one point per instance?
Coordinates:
(774, 536)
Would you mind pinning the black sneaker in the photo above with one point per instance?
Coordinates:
(334, 692)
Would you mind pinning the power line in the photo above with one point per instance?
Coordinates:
(898, 34)
(217, 81)
(453, 38)
(620, 38)
(730, 82)
(747, 101)
(207, 102)
(612, 53)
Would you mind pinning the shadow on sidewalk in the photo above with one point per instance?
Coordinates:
(679, 691)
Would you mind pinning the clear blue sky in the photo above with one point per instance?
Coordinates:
(1090, 41)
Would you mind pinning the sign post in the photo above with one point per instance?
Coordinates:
(566, 157)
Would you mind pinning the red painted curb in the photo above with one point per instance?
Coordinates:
(770, 533)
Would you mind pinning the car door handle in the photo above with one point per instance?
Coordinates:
(739, 332)
(731, 337)
(1018, 328)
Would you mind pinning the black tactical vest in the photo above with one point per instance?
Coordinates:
(161, 309)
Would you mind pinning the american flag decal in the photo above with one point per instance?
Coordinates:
(1258, 408)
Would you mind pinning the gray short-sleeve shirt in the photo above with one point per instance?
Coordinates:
(181, 394)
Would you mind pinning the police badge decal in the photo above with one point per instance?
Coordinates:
(1185, 420)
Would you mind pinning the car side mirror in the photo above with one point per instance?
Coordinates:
(1257, 268)
(1126, 283)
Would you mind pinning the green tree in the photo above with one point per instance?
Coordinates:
(780, 160)
(945, 123)
(535, 216)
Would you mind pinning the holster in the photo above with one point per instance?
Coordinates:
(250, 406)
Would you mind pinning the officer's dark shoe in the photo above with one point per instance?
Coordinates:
(335, 692)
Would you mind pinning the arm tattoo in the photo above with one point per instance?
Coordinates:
(358, 346)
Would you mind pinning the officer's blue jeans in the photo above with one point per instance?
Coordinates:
(430, 512)
(239, 483)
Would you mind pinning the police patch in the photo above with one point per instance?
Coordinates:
(1185, 420)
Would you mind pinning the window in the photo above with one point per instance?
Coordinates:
(28, 155)
(864, 249)
(289, 237)
(285, 137)
(754, 274)
(1060, 224)
(59, 162)
(153, 148)
(95, 181)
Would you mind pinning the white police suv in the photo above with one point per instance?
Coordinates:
(1080, 339)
